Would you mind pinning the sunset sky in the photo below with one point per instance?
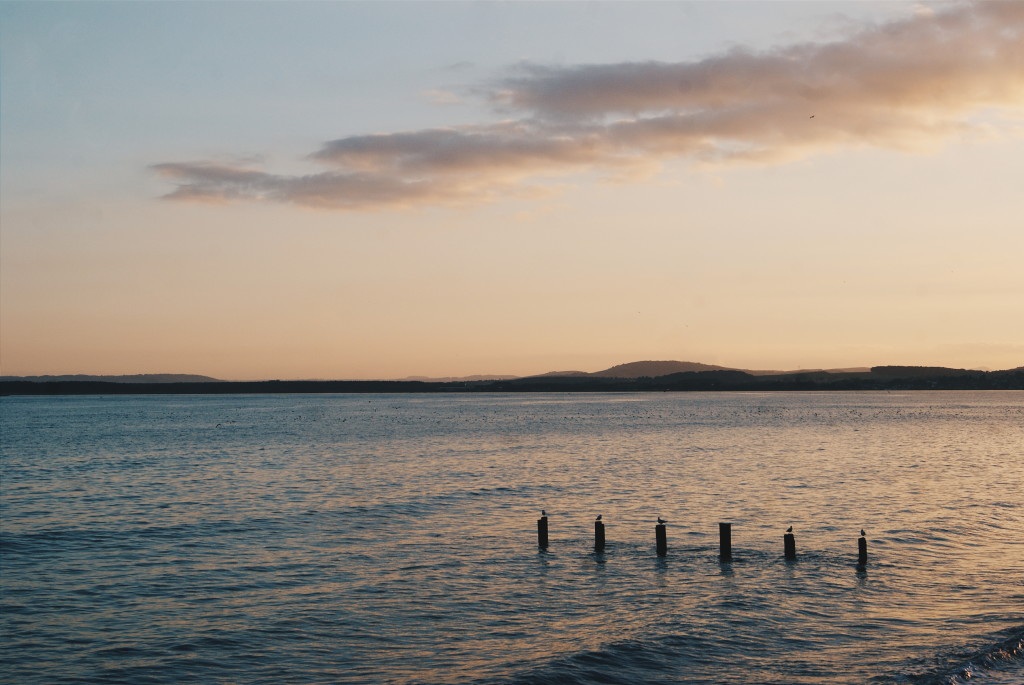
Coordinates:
(254, 190)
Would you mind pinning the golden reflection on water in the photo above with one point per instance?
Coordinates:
(393, 538)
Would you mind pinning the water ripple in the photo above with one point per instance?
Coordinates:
(391, 539)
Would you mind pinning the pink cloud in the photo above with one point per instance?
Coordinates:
(904, 85)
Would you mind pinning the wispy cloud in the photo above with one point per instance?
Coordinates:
(905, 85)
(218, 184)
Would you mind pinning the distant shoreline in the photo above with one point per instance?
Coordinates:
(879, 378)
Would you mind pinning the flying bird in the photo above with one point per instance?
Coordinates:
(811, 117)
(661, 520)
(790, 529)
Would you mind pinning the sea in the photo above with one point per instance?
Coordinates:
(393, 538)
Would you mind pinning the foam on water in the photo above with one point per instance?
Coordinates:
(355, 539)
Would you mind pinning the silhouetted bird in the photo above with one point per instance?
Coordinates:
(543, 513)
(661, 520)
(811, 117)
(862, 533)
(790, 529)
(598, 518)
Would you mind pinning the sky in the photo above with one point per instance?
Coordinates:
(350, 190)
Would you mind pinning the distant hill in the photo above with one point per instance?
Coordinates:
(457, 379)
(852, 369)
(654, 369)
(916, 371)
(135, 378)
(562, 374)
(878, 378)
(658, 371)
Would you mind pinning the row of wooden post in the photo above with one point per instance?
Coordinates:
(724, 541)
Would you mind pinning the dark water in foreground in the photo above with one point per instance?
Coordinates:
(391, 539)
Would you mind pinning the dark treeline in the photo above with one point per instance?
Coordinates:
(878, 378)
(216, 388)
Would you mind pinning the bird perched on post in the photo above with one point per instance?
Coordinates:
(661, 521)
(543, 513)
(790, 529)
(598, 518)
(862, 533)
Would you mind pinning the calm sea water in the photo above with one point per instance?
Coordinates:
(392, 538)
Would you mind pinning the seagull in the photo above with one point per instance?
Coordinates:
(862, 533)
(598, 518)
(661, 520)
(790, 529)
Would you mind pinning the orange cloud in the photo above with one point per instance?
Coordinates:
(903, 85)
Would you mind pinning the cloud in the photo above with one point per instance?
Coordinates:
(955, 61)
(512, 147)
(205, 182)
(905, 85)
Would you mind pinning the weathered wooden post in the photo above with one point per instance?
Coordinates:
(542, 531)
(662, 542)
(598, 535)
(789, 542)
(725, 541)
(862, 550)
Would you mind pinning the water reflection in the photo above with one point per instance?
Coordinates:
(341, 539)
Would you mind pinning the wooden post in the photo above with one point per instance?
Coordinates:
(598, 536)
(862, 551)
(789, 542)
(725, 541)
(542, 532)
(662, 542)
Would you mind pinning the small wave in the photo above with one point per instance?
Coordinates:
(629, 661)
(966, 667)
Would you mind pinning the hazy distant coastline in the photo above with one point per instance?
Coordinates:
(131, 378)
(631, 377)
